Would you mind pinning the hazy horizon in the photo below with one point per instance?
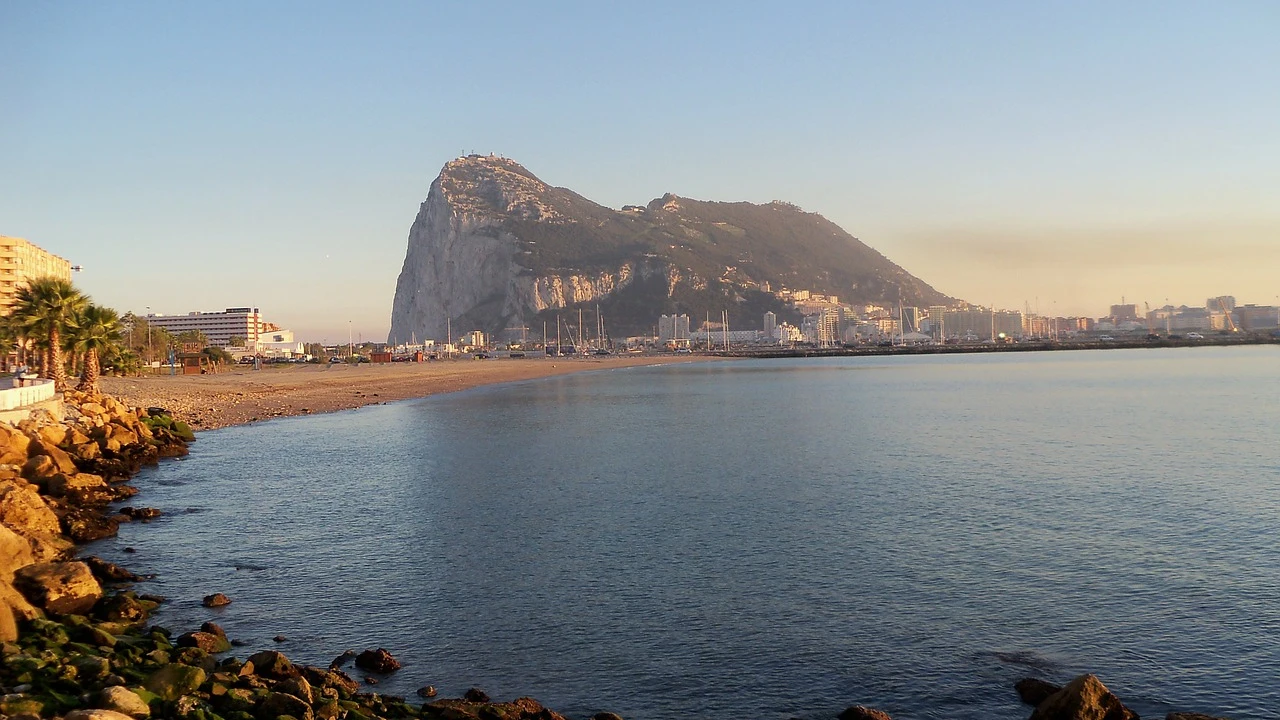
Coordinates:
(203, 157)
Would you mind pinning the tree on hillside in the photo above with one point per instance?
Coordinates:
(97, 334)
(48, 306)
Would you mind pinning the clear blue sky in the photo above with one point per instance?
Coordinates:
(199, 156)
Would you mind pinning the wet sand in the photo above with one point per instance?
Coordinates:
(241, 395)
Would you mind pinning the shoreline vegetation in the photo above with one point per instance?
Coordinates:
(75, 641)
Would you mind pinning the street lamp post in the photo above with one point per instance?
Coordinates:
(148, 335)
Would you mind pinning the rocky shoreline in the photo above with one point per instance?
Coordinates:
(74, 635)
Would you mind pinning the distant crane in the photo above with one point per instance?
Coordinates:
(1231, 324)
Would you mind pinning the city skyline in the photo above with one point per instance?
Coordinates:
(197, 158)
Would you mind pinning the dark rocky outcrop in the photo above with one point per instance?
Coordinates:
(378, 661)
(1034, 691)
(215, 600)
(475, 695)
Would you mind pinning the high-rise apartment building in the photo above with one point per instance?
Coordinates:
(673, 329)
(770, 326)
(20, 262)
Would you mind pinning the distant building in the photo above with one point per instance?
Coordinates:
(218, 327)
(1122, 313)
(770, 325)
(474, 339)
(276, 343)
(22, 261)
(981, 324)
(911, 319)
(1222, 303)
(716, 337)
(673, 329)
(1257, 317)
(788, 333)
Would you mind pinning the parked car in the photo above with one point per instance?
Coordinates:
(1194, 336)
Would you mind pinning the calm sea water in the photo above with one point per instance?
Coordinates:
(764, 539)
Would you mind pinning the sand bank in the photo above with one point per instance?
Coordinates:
(242, 395)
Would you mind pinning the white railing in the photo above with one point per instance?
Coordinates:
(31, 392)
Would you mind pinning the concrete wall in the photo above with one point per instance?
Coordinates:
(37, 391)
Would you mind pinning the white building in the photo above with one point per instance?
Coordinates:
(218, 327)
(277, 343)
(474, 339)
(788, 333)
(716, 338)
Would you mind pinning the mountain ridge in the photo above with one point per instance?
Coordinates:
(494, 247)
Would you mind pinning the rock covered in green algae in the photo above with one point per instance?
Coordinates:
(175, 680)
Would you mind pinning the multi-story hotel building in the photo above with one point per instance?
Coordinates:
(218, 327)
(20, 262)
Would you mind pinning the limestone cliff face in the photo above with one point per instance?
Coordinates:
(493, 247)
(463, 270)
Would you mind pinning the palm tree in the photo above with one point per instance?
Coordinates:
(97, 334)
(47, 306)
(8, 335)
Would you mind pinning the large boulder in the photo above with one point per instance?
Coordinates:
(86, 525)
(13, 445)
(61, 485)
(24, 511)
(53, 434)
(331, 678)
(272, 664)
(39, 468)
(60, 458)
(61, 588)
(1084, 698)
(206, 641)
(379, 661)
(279, 703)
(215, 600)
(15, 552)
(124, 701)
(175, 680)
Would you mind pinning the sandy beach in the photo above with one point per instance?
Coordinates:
(241, 395)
